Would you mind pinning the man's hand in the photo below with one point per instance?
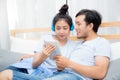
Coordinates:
(61, 62)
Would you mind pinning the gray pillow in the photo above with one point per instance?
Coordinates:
(7, 58)
(113, 71)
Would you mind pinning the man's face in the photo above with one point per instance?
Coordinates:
(81, 27)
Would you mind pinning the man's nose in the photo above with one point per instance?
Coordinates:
(76, 26)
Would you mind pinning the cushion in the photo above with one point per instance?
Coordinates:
(114, 68)
(23, 45)
(115, 47)
(113, 71)
(7, 58)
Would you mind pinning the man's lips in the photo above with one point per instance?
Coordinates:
(78, 32)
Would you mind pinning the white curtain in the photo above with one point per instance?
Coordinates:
(33, 13)
(4, 34)
(109, 10)
(39, 13)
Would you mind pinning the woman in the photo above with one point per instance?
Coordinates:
(45, 66)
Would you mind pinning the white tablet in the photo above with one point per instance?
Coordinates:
(56, 44)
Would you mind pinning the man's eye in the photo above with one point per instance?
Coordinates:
(78, 24)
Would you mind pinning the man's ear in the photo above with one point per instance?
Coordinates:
(91, 26)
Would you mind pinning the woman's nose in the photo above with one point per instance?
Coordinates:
(61, 31)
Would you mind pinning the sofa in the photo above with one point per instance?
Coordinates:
(9, 57)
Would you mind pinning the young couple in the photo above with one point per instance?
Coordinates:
(85, 60)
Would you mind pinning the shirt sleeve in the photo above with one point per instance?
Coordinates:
(103, 49)
(39, 46)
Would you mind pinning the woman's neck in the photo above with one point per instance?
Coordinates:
(61, 42)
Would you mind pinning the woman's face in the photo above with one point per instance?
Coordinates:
(62, 29)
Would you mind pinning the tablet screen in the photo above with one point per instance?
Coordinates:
(56, 44)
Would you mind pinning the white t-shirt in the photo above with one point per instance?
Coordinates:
(49, 65)
(85, 52)
(65, 50)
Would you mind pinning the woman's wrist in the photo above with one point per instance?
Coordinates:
(43, 55)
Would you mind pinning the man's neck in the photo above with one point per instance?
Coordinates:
(91, 36)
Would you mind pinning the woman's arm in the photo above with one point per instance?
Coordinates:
(40, 57)
(26, 56)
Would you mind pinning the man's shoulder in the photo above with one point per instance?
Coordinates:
(101, 40)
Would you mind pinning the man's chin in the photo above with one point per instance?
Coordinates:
(79, 37)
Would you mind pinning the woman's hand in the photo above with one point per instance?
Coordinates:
(48, 49)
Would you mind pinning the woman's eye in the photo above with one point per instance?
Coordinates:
(65, 28)
(58, 28)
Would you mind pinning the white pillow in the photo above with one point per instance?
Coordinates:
(23, 45)
(115, 47)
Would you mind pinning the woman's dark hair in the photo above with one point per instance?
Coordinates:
(63, 14)
(91, 16)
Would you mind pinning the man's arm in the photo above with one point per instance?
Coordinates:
(97, 72)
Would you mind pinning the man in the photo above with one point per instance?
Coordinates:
(91, 58)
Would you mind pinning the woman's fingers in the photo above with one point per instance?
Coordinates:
(48, 49)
